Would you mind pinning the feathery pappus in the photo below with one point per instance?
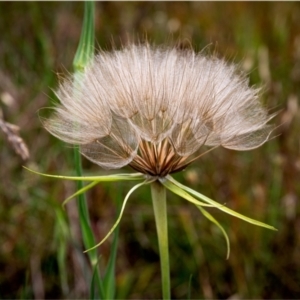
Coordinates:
(153, 108)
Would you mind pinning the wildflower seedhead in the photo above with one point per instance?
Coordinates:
(153, 108)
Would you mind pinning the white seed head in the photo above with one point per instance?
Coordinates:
(153, 108)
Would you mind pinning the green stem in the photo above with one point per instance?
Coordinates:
(84, 218)
(85, 50)
(83, 55)
(158, 192)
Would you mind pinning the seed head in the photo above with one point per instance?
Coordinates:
(153, 108)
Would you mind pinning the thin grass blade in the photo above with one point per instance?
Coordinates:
(189, 287)
(94, 283)
(109, 280)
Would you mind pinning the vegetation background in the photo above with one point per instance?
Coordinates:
(40, 244)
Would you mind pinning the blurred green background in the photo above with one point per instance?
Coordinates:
(40, 244)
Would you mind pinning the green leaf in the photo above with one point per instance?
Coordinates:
(189, 287)
(109, 281)
(95, 280)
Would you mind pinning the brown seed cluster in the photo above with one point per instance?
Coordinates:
(158, 159)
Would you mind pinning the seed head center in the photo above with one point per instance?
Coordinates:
(157, 159)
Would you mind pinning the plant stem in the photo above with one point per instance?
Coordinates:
(158, 192)
(84, 54)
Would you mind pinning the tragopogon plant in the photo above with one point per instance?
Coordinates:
(156, 109)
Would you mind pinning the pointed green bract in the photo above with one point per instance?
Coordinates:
(178, 191)
(147, 181)
(79, 192)
(207, 215)
(170, 179)
(104, 178)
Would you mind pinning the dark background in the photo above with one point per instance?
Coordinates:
(40, 244)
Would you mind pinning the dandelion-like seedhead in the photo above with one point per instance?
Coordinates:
(153, 108)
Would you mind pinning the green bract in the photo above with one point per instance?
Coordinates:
(169, 183)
